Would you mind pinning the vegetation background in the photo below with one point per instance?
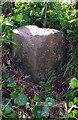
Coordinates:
(57, 98)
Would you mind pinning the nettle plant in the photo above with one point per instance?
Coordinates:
(73, 99)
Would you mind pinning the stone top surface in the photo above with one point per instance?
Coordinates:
(32, 30)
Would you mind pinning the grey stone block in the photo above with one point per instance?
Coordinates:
(37, 50)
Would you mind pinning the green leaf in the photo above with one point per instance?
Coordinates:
(38, 115)
(27, 105)
(36, 97)
(12, 115)
(21, 88)
(76, 100)
(13, 95)
(32, 103)
(13, 84)
(5, 75)
(5, 101)
(37, 111)
(45, 111)
(11, 79)
(7, 110)
(70, 104)
(17, 3)
(74, 83)
(1, 19)
(70, 115)
(19, 17)
(49, 101)
(69, 31)
(21, 99)
(8, 62)
(75, 112)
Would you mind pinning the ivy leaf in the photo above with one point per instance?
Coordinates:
(10, 79)
(19, 17)
(45, 111)
(14, 94)
(5, 75)
(36, 97)
(13, 84)
(37, 111)
(38, 116)
(74, 83)
(70, 115)
(69, 31)
(21, 88)
(75, 112)
(1, 19)
(27, 105)
(21, 99)
(50, 101)
(70, 104)
(76, 100)
(7, 110)
(12, 115)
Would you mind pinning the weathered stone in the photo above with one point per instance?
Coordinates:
(37, 50)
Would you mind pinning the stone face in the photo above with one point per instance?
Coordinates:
(37, 50)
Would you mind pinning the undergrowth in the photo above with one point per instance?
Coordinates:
(56, 99)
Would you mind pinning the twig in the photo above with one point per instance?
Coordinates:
(7, 104)
(17, 107)
(25, 77)
(74, 20)
(45, 19)
(7, 89)
(73, 106)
